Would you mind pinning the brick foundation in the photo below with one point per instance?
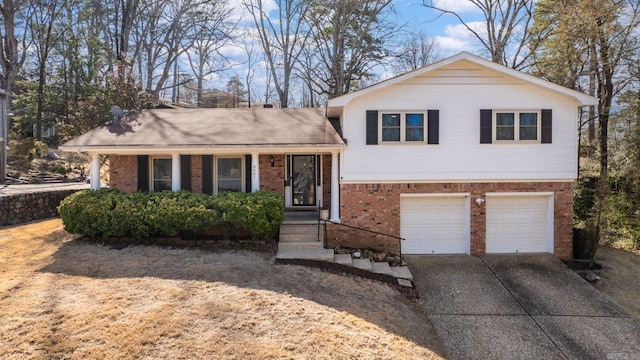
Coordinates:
(377, 207)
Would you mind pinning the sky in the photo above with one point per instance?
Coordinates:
(451, 36)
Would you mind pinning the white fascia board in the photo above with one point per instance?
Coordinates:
(144, 150)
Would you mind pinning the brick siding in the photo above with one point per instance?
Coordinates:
(272, 178)
(123, 172)
(377, 207)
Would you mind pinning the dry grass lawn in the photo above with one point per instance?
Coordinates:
(620, 277)
(64, 298)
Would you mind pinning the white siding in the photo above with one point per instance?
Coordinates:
(459, 91)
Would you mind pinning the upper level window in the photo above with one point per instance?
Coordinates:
(161, 174)
(402, 126)
(517, 126)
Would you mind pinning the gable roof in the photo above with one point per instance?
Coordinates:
(177, 129)
(581, 98)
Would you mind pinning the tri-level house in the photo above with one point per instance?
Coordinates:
(463, 156)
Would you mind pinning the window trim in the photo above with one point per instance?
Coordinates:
(403, 126)
(242, 171)
(516, 126)
(151, 163)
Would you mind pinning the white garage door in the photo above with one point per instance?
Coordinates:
(519, 223)
(434, 224)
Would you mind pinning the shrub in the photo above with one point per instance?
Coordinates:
(111, 213)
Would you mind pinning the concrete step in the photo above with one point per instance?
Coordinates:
(305, 254)
(300, 229)
(402, 272)
(343, 259)
(381, 268)
(363, 264)
(301, 244)
(309, 237)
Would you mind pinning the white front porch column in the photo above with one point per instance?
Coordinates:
(255, 172)
(335, 188)
(95, 171)
(175, 172)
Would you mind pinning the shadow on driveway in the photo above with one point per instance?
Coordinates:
(520, 307)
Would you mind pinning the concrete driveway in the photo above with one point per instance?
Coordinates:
(520, 307)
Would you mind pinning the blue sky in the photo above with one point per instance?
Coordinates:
(449, 34)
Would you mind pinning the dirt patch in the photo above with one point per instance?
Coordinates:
(64, 298)
(620, 277)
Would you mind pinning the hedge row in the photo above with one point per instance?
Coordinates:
(112, 213)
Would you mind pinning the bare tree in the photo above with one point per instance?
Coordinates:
(210, 32)
(416, 51)
(161, 31)
(506, 35)
(350, 39)
(252, 58)
(282, 39)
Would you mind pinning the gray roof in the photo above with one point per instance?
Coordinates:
(213, 127)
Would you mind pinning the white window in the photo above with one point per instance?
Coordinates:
(513, 126)
(402, 127)
(160, 174)
(229, 174)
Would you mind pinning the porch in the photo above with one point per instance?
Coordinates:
(306, 180)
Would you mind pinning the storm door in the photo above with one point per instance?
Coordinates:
(303, 170)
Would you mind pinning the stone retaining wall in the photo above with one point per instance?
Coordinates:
(22, 208)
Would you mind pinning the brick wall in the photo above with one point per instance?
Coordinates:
(123, 172)
(377, 207)
(272, 178)
(196, 173)
(326, 181)
(22, 208)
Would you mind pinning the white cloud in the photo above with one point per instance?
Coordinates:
(449, 45)
(459, 38)
(459, 6)
(460, 31)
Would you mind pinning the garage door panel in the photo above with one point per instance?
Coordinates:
(434, 225)
(518, 224)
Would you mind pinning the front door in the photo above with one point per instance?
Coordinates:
(303, 180)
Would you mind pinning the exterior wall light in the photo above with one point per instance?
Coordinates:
(479, 201)
(272, 161)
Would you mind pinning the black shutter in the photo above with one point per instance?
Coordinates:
(486, 126)
(207, 174)
(185, 172)
(143, 172)
(372, 127)
(247, 173)
(546, 124)
(433, 127)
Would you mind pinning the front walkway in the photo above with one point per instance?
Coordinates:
(520, 307)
